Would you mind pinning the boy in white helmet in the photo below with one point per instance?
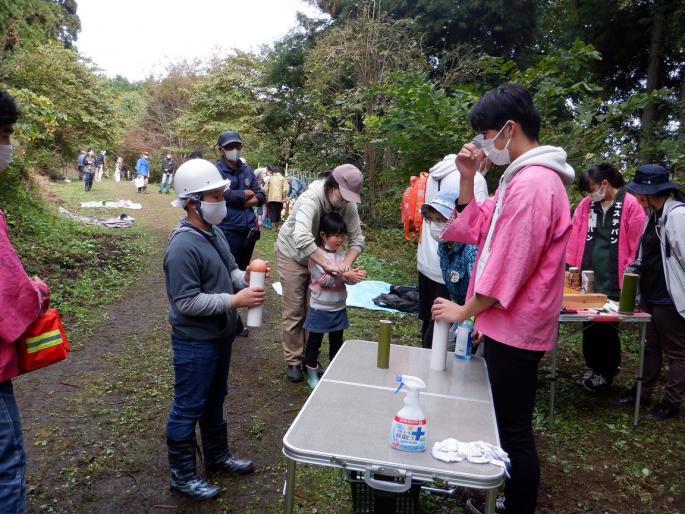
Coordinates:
(205, 287)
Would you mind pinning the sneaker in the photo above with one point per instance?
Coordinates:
(245, 332)
(597, 383)
(478, 506)
(663, 410)
(586, 376)
(627, 399)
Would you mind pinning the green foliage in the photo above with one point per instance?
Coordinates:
(422, 120)
(67, 103)
(227, 98)
(29, 23)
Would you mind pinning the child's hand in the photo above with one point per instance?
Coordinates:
(355, 275)
(248, 297)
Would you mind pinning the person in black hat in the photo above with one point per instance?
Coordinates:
(661, 265)
(242, 194)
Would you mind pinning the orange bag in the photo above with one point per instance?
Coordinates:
(43, 343)
(410, 209)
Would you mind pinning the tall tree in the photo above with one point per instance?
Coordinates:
(28, 23)
(350, 61)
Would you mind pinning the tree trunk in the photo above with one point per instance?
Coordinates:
(649, 113)
(682, 103)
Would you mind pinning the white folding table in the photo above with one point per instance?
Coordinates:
(346, 421)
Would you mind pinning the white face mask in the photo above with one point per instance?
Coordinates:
(498, 157)
(436, 228)
(598, 196)
(213, 213)
(232, 155)
(5, 156)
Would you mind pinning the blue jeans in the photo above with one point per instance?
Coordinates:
(200, 386)
(167, 178)
(88, 180)
(12, 456)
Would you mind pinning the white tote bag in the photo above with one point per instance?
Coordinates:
(139, 181)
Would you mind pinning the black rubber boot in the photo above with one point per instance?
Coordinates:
(217, 456)
(184, 478)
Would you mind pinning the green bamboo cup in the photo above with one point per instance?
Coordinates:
(384, 336)
(626, 302)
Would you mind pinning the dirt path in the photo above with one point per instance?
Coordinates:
(94, 425)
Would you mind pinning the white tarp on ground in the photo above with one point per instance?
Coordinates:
(122, 221)
(119, 204)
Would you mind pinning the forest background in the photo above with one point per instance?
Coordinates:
(384, 84)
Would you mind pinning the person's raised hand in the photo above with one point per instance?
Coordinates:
(469, 160)
(248, 297)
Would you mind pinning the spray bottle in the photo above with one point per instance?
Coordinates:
(462, 347)
(408, 432)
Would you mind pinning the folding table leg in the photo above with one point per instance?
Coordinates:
(490, 497)
(290, 487)
(553, 380)
(640, 372)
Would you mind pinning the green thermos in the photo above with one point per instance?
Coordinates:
(384, 336)
(626, 302)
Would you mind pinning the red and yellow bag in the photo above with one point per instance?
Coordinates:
(43, 343)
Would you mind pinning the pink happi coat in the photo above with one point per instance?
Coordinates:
(20, 303)
(524, 269)
(630, 231)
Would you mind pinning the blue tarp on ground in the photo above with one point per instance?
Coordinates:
(360, 295)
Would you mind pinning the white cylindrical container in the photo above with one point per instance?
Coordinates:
(441, 329)
(257, 278)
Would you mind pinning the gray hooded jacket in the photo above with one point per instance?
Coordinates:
(199, 283)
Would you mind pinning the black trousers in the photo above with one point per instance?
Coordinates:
(240, 248)
(429, 290)
(513, 379)
(311, 352)
(273, 211)
(602, 348)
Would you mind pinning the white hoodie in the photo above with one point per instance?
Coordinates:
(551, 157)
(444, 176)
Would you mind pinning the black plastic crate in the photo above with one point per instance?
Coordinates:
(367, 500)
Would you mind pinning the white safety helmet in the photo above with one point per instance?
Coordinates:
(197, 176)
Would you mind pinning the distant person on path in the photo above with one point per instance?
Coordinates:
(661, 265)
(118, 168)
(276, 192)
(89, 169)
(22, 301)
(296, 246)
(517, 286)
(100, 162)
(327, 312)
(168, 168)
(296, 188)
(79, 164)
(242, 194)
(607, 225)
(205, 287)
(196, 154)
(143, 170)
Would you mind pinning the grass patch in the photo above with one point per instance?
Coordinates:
(84, 266)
